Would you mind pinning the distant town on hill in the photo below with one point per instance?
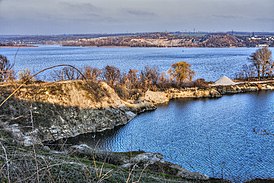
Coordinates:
(151, 39)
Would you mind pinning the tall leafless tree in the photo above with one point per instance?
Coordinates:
(112, 75)
(261, 60)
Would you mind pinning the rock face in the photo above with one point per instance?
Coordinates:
(51, 122)
(52, 111)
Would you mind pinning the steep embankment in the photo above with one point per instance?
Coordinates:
(50, 111)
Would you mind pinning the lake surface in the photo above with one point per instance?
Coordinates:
(218, 137)
(226, 137)
(208, 63)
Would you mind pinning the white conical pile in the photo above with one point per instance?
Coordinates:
(224, 81)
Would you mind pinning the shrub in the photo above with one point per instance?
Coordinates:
(6, 72)
(201, 83)
(66, 73)
(112, 75)
(122, 92)
(92, 74)
(26, 77)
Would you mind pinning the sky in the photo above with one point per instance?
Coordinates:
(122, 16)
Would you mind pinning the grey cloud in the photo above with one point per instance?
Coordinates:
(90, 19)
(227, 16)
(23, 16)
(86, 7)
(271, 20)
(83, 11)
(135, 12)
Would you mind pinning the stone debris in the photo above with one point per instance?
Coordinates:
(142, 160)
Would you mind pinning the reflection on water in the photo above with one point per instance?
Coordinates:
(212, 136)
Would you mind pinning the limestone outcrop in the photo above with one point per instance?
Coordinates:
(51, 111)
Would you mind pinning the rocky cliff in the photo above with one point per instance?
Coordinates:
(50, 111)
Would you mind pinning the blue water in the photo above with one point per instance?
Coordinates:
(208, 63)
(219, 137)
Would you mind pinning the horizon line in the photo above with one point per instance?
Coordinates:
(145, 32)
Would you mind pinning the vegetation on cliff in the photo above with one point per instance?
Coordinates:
(128, 85)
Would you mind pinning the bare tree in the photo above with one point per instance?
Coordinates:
(66, 73)
(248, 71)
(92, 74)
(163, 81)
(132, 79)
(261, 60)
(149, 77)
(270, 71)
(112, 75)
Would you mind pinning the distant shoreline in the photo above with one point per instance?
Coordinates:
(156, 39)
(36, 46)
(19, 46)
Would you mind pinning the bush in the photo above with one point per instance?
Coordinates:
(92, 74)
(201, 83)
(26, 77)
(112, 75)
(6, 72)
(122, 92)
(66, 73)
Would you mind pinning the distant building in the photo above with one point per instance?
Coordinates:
(262, 45)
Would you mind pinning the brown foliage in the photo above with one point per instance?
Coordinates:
(201, 83)
(66, 73)
(149, 78)
(25, 76)
(6, 72)
(92, 74)
(127, 94)
(132, 79)
(111, 75)
(181, 72)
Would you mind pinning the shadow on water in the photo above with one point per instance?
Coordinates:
(212, 136)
